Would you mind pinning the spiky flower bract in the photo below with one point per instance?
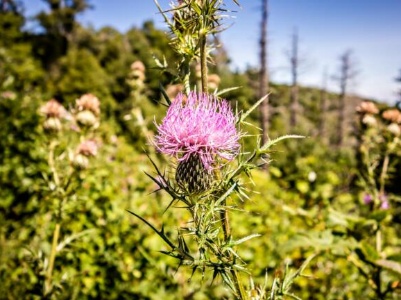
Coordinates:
(199, 130)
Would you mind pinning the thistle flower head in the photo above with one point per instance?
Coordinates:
(199, 125)
(198, 130)
(367, 107)
(393, 115)
(88, 148)
(88, 102)
(53, 109)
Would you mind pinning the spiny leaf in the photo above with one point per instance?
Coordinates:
(227, 193)
(288, 281)
(270, 143)
(227, 90)
(165, 96)
(159, 233)
(247, 113)
(244, 239)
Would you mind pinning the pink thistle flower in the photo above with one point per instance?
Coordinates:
(88, 102)
(198, 125)
(88, 148)
(367, 198)
(198, 130)
(53, 109)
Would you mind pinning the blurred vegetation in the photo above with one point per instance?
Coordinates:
(310, 200)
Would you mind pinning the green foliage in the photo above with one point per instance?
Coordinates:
(310, 202)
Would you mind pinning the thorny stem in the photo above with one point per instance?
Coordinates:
(52, 164)
(203, 61)
(384, 173)
(227, 235)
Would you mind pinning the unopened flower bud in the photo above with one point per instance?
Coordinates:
(85, 150)
(369, 120)
(86, 118)
(80, 161)
(138, 66)
(213, 81)
(52, 124)
(394, 129)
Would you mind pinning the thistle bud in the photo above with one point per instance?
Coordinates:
(52, 124)
(85, 150)
(80, 162)
(394, 129)
(87, 118)
(369, 120)
(213, 81)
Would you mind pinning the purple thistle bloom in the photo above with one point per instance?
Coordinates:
(367, 198)
(384, 202)
(199, 125)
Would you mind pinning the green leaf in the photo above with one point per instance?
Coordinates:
(240, 241)
(378, 215)
(248, 112)
(369, 251)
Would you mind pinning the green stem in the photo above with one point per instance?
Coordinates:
(377, 274)
(240, 291)
(52, 164)
(52, 258)
(384, 173)
(203, 60)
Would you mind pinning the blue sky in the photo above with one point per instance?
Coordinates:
(327, 28)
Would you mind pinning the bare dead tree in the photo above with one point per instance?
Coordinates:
(294, 95)
(323, 107)
(263, 73)
(347, 72)
(11, 6)
(398, 79)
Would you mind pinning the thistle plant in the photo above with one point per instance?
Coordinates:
(203, 136)
(136, 82)
(379, 151)
(70, 145)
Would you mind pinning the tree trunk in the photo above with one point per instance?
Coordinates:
(263, 74)
(323, 109)
(294, 96)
